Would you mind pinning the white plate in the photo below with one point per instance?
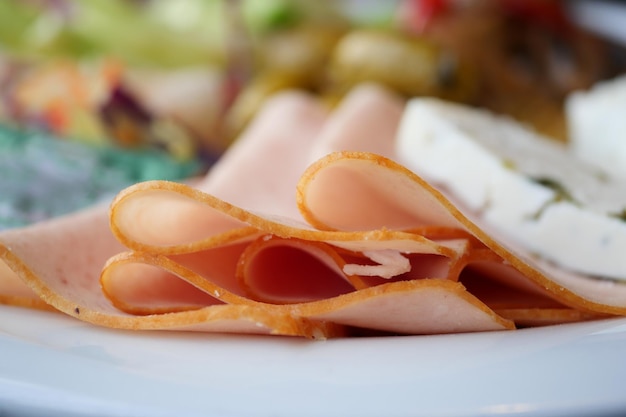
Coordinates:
(54, 365)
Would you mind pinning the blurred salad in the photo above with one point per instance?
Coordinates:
(187, 75)
(42, 176)
(135, 74)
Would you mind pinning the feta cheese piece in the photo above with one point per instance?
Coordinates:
(596, 125)
(528, 187)
(390, 263)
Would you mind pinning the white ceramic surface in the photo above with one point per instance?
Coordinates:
(52, 365)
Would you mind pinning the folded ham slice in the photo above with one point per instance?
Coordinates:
(305, 227)
(58, 263)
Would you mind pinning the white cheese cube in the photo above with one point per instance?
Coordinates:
(528, 187)
(596, 123)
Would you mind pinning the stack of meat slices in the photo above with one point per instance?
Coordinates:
(307, 226)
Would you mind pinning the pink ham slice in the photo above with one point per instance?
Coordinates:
(204, 257)
(366, 121)
(388, 189)
(285, 254)
(59, 262)
(376, 176)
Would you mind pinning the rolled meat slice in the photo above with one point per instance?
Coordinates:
(58, 263)
(282, 226)
(305, 227)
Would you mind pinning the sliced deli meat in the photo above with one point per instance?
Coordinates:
(387, 184)
(59, 264)
(308, 225)
(308, 270)
(366, 121)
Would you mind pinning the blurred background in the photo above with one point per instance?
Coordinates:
(98, 94)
